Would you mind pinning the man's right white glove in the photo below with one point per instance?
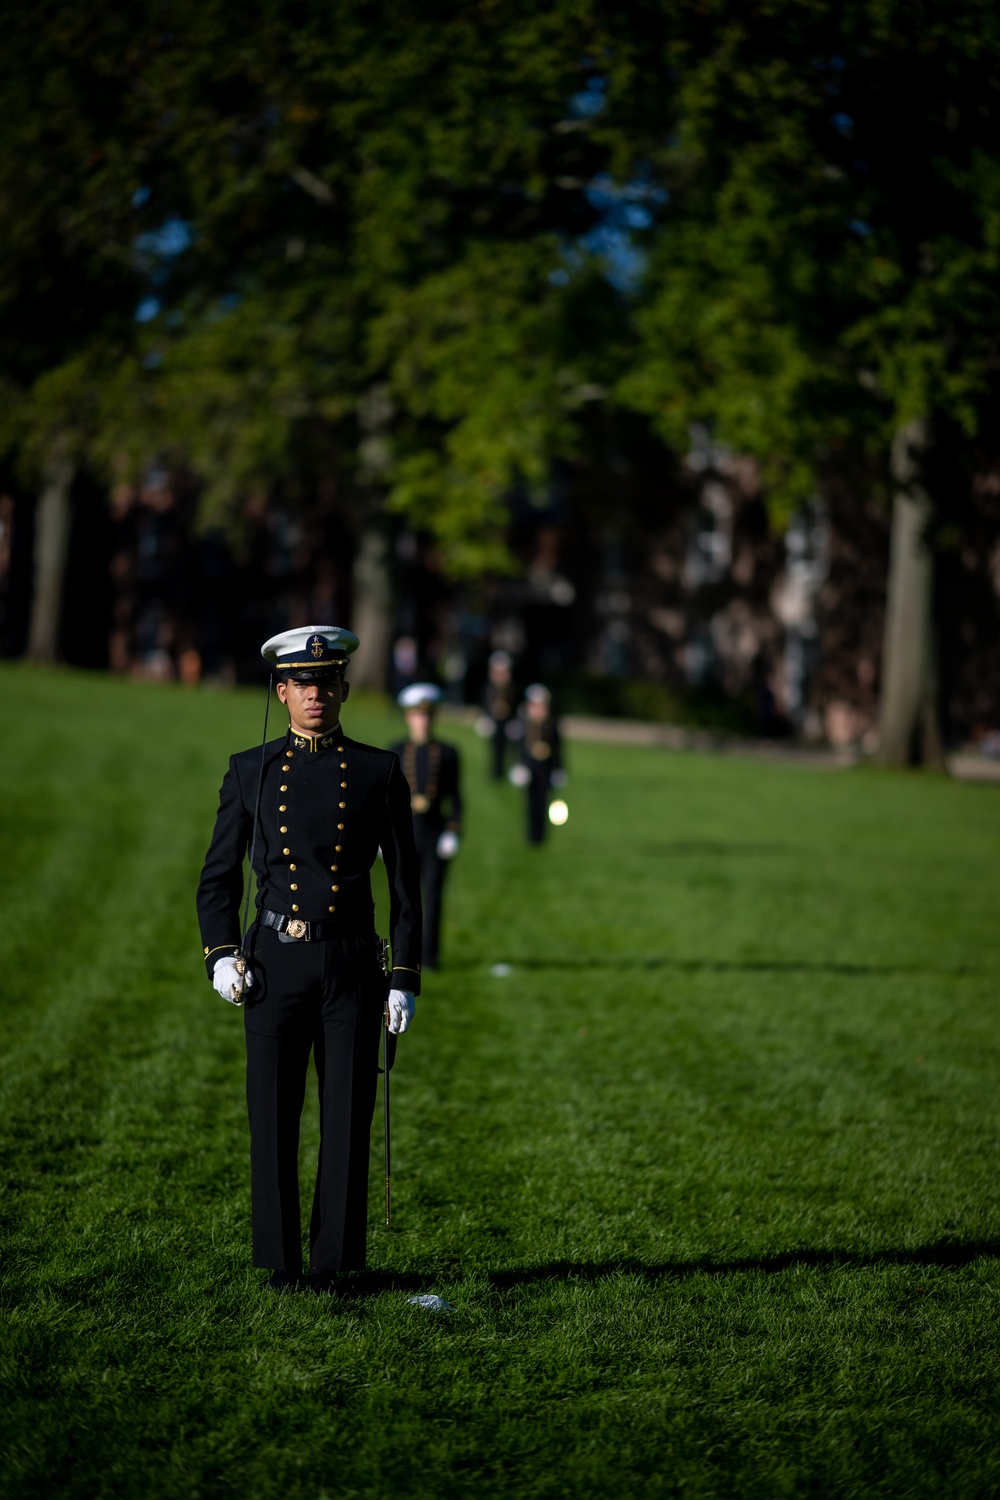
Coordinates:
(402, 1007)
(229, 982)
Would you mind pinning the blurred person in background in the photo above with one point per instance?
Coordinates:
(499, 711)
(405, 662)
(432, 770)
(541, 766)
(322, 806)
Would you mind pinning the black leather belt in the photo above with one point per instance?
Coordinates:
(294, 927)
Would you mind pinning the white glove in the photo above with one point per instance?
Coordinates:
(229, 982)
(402, 1006)
(447, 844)
(519, 776)
(558, 778)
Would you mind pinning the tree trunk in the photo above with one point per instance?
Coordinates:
(51, 545)
(909, 731)
(373, 618)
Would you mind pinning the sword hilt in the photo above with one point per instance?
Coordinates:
(241, 968)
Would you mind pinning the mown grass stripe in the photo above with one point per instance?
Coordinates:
(710, 1176)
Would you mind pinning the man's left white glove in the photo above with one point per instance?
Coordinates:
(402, 1007)
(229, 982)
(447, 844)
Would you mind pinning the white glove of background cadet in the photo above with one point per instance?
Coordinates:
(402, 1006)
(229, 982)
(447, 844)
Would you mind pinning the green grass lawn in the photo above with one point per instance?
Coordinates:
(710, 1178)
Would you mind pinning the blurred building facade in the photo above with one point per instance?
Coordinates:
(642, 587)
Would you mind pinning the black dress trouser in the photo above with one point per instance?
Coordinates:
(498, 747)
(538, 804)
(432, 872)
(326, 998)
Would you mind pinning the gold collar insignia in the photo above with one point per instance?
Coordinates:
(314, 742)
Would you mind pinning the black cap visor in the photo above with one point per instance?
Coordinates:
(332, 673)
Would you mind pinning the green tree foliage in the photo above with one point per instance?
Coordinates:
(490, 355)
(314, 205)
(825, 283)
(69, 282)
(384, 198)
(826, 269)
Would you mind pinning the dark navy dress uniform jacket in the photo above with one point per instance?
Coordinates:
(328, 804)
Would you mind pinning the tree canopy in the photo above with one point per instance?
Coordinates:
(827, 267)
(413, 245)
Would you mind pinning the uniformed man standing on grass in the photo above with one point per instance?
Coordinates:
(499, 703)
(313, 981)
(431, 768)
(541, 766)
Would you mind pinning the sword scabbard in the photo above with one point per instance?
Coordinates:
(388, 1051)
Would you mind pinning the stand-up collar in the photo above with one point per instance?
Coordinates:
(313, 743)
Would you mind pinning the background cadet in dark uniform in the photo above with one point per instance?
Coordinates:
(313, 983)
(500, 710)
(432, 770)
(541, 764)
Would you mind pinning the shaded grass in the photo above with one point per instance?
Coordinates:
(710, 1177)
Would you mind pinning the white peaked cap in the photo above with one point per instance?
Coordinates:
(418, 694)
(310, 646)
(537, 693)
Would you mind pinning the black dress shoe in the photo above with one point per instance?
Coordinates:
(322, 1281)
(284, 1281)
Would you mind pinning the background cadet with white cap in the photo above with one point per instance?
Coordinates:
(541, 764)
(327, 804)
(431, 768)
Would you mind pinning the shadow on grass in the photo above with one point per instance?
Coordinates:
(369, 1283)
(714, 966)
(703, 848)
(94, 1287)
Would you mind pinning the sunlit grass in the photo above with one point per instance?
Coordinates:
(710, 1176)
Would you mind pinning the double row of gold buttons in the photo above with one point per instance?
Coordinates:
(283, 829)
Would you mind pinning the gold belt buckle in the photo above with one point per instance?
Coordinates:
(297, 928)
